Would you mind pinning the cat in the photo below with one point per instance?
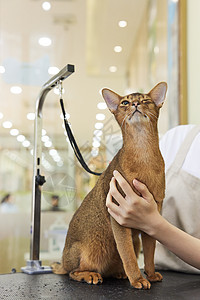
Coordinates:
(96, 245)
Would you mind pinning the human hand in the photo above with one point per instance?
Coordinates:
(139, 212)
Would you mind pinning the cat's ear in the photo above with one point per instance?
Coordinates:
(158, 93)
(112, 99)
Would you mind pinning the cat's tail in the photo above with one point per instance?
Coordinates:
(58, 268)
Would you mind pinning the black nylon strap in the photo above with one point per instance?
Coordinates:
(74, 144)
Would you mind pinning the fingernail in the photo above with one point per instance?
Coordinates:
(115, 172)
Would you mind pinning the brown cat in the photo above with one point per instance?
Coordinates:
(96, 245)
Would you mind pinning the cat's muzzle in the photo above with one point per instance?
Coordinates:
(135, 111)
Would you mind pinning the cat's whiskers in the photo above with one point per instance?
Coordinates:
(151, 126)
(152, 115)
(129, 117)
(124, 120)
(149, 116)
(150, 121)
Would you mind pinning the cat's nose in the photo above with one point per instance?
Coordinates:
(135, 103)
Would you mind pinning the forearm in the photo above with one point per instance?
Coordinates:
(141, 212)
(177, 241)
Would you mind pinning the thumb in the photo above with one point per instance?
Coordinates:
(143, 190)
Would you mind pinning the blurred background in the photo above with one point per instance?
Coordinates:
(125, 45)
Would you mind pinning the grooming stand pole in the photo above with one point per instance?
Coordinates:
(34, 265)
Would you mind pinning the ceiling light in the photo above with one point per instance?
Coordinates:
(113, 69)
(122, 23)
(46, 5)
(96, 144)
(43, 132)
(7, 124)
(14, 132)
(30, 116)
(156, 49)
(118, 49)
(100, 117)
(26, 143)
(97, 138)
(94, 152)
(57, 159)
(48, 144)
(60, 163)
(31, 151)
(46, 164)
(101, 105)
(2, 69)
(45, 138)
(1, 115)
(44, 41)
(98, 132)
(98, 125)
(53, 152)
(53, 70)
(16, 90)
(21, 138)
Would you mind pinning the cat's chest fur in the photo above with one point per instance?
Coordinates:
(145, 164)
(140, 158)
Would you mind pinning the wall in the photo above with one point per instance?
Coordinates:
(148, 62)
(193, 60)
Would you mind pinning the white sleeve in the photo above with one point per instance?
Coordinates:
(171, 141)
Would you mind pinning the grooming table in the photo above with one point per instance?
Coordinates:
(20, 286)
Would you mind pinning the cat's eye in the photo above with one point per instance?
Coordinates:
(125, 102)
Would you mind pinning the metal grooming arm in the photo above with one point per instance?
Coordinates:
(34, 265)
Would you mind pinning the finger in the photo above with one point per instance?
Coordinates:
(112, 207)
(108, 199)
(114, 215)
(123, 183)
(142, 189)
(115, 193)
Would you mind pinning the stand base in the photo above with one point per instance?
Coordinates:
(35, 267)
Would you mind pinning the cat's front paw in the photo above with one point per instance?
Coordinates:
(141, 283)
(86, 276)
(155, 277)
